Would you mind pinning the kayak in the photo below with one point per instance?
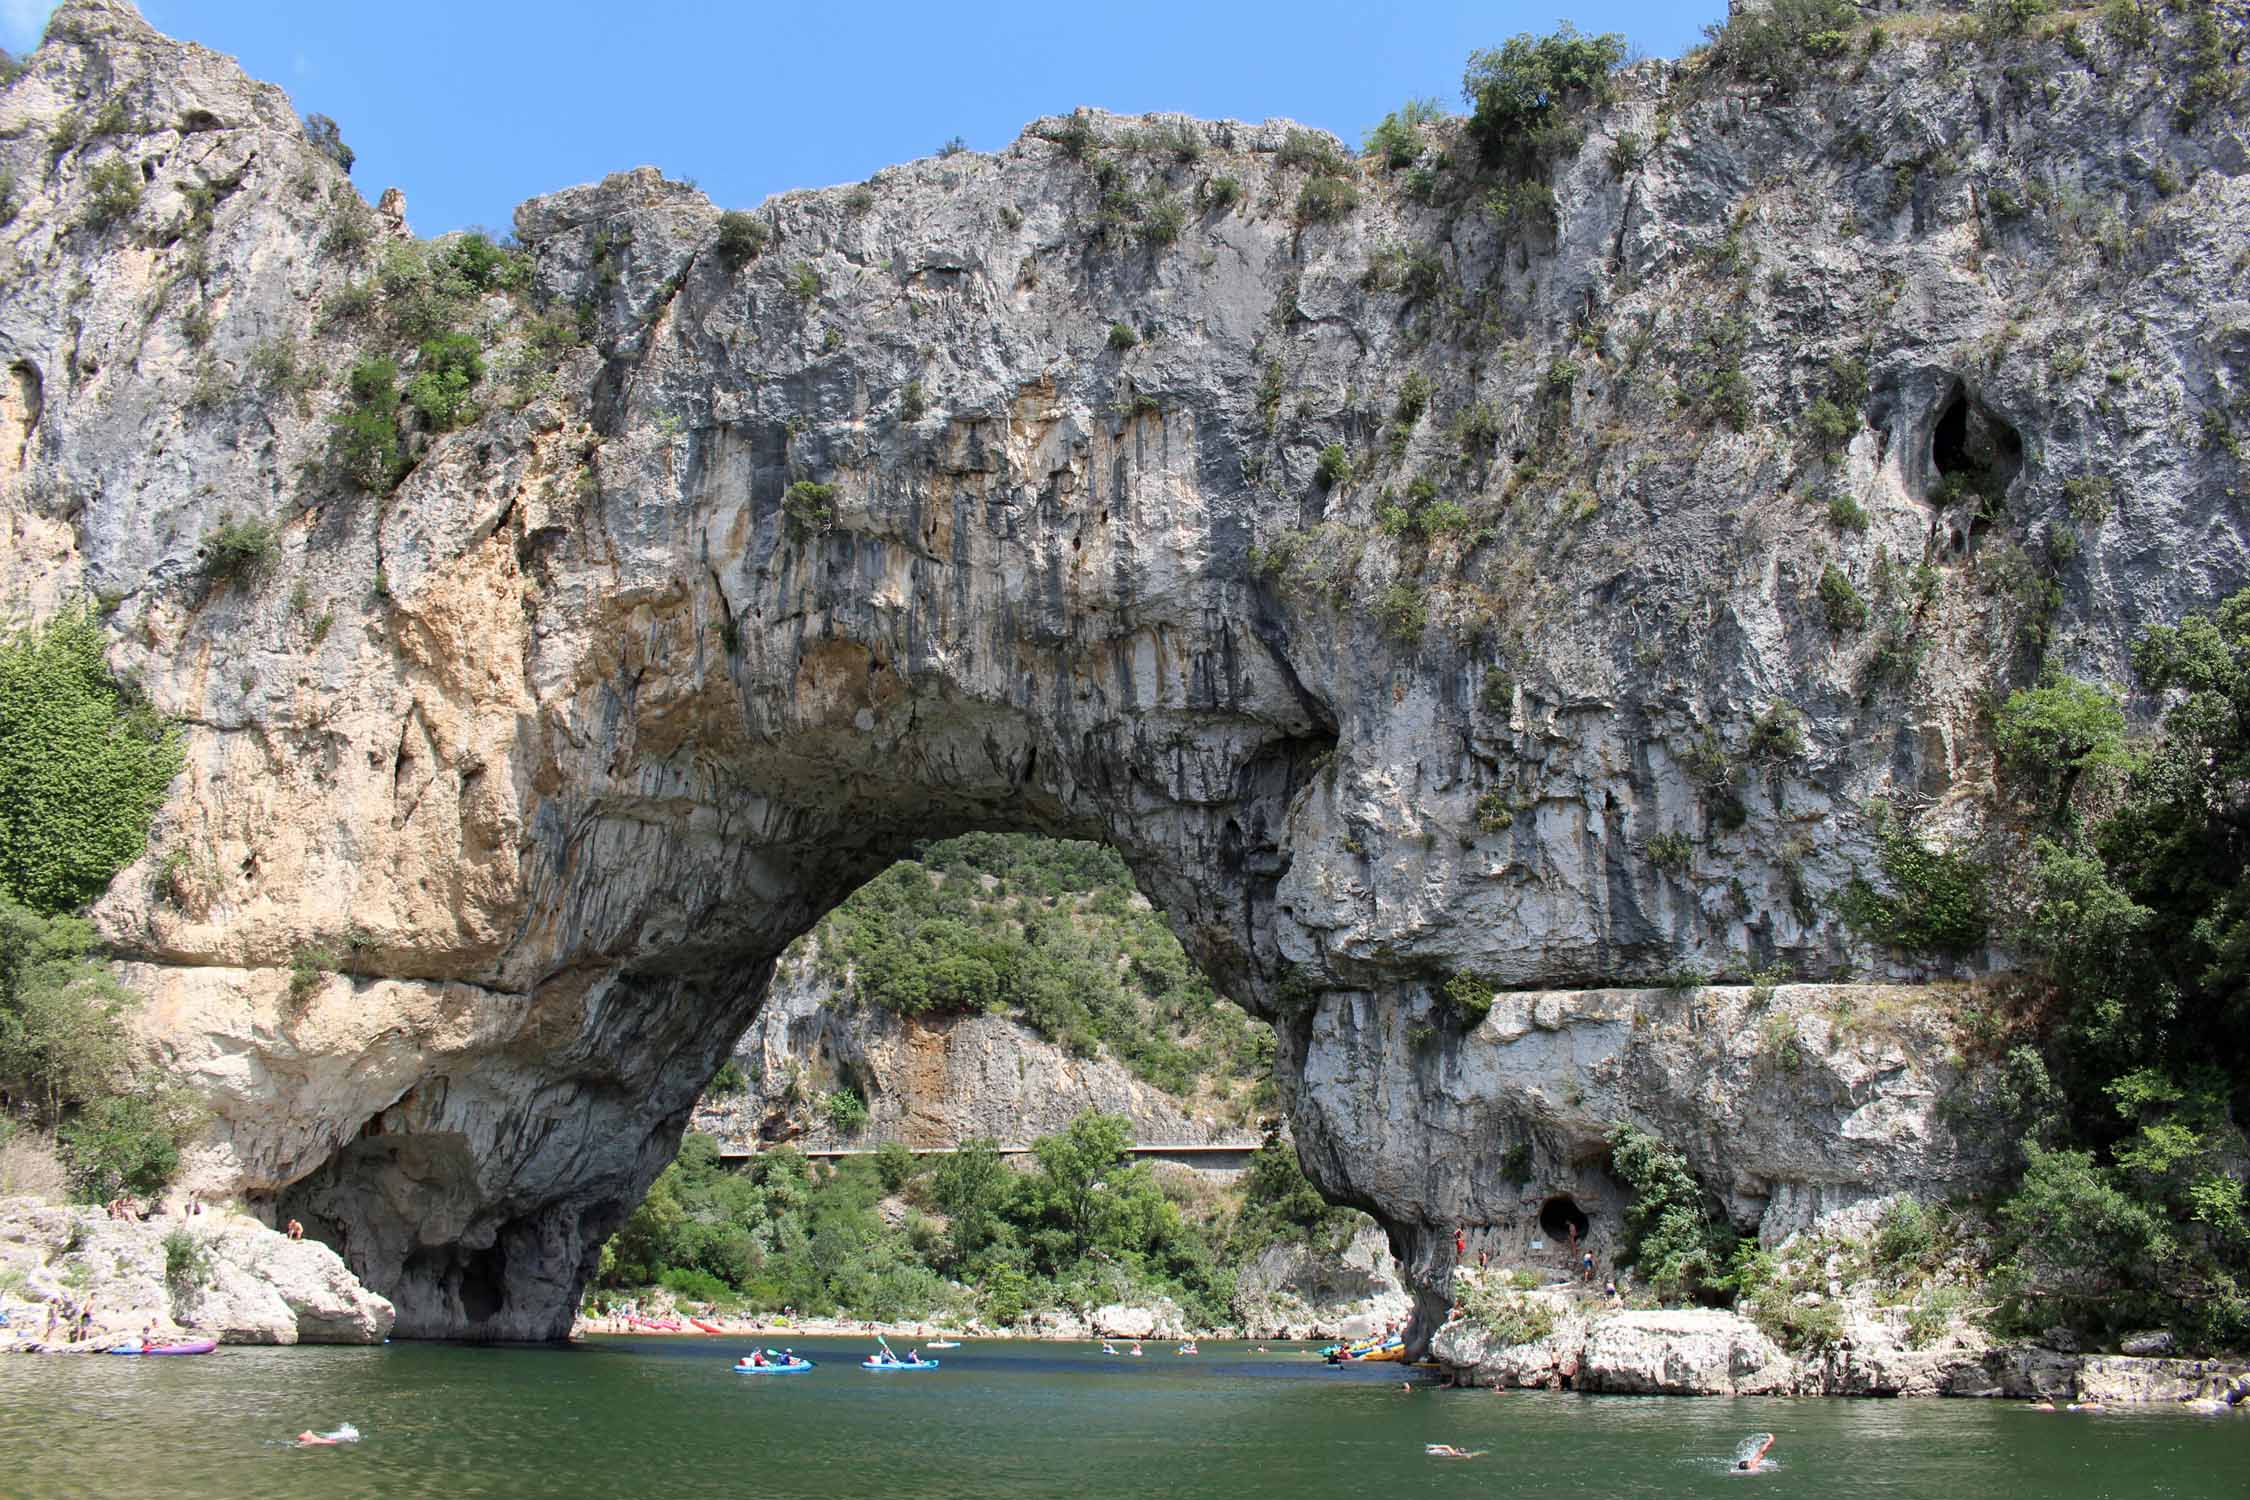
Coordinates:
(197, 1346)
(898, 1364)
(778, 1367)
(943, 1344)
(707, 1327)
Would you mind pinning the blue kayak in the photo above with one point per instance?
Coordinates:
(776, 1367)
(898, 1364)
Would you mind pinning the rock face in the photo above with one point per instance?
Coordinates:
(928, 1081)
(251, 1285)
(967, 504)
(1298, 1291)
(1710, 1353)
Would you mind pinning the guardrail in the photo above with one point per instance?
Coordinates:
(732, 1152)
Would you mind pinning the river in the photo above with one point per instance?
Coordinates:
(665, 1418)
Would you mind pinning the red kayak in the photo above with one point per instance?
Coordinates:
(706, 1327)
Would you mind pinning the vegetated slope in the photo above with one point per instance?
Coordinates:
(872, 1029)
(968, 1236)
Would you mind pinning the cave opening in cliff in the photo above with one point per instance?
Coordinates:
(1561, 1219)
(1974, 455)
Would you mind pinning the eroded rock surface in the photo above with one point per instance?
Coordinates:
(928, 1081)
(555, 749)
(243, 1284)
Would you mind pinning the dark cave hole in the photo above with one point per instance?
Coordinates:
(1949, 441)
(1562, 1219)
(1974, 456)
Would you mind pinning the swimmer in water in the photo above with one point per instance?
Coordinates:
(1751, 1456)
(1447, 1450)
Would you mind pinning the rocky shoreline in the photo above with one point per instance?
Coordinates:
(1713, 1353)
(218, 1275)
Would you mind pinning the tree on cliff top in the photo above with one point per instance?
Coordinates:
(83, 767)
(1519, 90)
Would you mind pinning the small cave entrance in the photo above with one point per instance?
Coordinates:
(1974, 456)
(1560, 1218)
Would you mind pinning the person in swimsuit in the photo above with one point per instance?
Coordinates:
(1447, 1450)
(1751, 1463)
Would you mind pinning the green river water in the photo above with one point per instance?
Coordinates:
(664, 1417)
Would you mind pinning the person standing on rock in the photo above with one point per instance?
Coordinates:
(1586, 1266)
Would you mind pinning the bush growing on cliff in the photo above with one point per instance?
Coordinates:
(1518, 92)
(1324, 200)
(237, 553)
(327, 138)
(1668, 1236)
(1397, 141)
(62, 1043)
(2052, 736)
(83, 765)
(809, 506)
(447, 368)
(1771, 43)
(741, 237)
(187, 1261)
(847, 1112)
(113, 192)
(128, 1143)
(1334, 468)
(1938, 901)
(1840, 604)
(365, 437)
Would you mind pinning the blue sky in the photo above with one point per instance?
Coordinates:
(473, 105)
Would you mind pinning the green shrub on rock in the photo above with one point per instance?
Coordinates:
(238, 552)
(83, 765)
(741, 237)
(446, 371)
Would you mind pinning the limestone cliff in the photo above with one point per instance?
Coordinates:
(998, 492)
(932, 1081)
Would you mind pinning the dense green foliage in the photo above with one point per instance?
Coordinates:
(2132, 1207)
(1049, 931)
(1937, 901)
(967, 1233)
(449, 367)
(1669, 1237)
(2049, 737)
(1518, 92)
(83, 766)
(63, 1053)
(1771, 43)
(365, 434)
(741, 237)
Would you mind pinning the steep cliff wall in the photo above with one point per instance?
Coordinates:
(929, 1081)
(991, 494)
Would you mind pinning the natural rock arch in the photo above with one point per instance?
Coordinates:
(638, 673)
